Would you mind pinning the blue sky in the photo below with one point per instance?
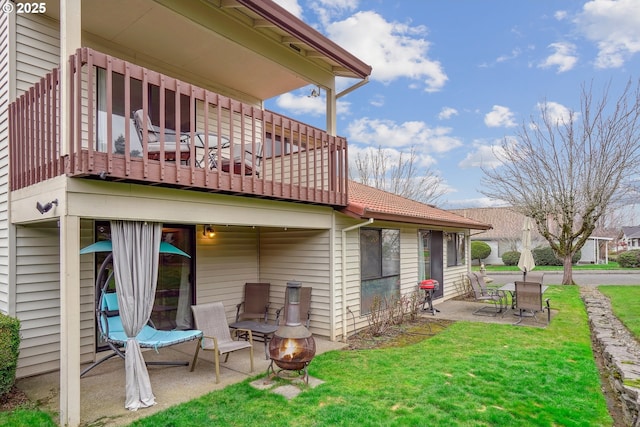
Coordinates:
(453, 78)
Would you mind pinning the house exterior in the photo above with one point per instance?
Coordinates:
(203, 155)
(506, 233)
(630, 238)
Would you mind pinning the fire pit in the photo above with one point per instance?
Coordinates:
(292, 346)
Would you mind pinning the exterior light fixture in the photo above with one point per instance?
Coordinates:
(209, 231)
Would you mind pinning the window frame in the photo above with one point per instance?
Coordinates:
(386, 278)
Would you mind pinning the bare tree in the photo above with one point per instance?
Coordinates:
(401, 176)
(565, 173)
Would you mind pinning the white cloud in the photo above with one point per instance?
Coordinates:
(377, 100)
(556, 113)
(478, 202)
(392, 153)
(560, 15)
(329, 9)
(303, 104)
(484, 155)
(447, 113)
(393, 49)
(513, 55)
(615, 28)
(291, 6)
(564, 57)
(389, 134)
(499, 117)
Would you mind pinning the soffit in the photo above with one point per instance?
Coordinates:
(222, 43)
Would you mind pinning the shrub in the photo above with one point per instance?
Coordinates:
(9, 349)
(545, 256)
(629, 259)
(480, 250)
(511, 258)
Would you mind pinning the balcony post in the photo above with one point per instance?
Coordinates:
(70, 40)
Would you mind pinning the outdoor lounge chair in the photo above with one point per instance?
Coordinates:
(496, 297)
(153, 139)
(212, 319)
(251, 161)
(112, 332)
(529, 298)
(304, 308)
(255, 305)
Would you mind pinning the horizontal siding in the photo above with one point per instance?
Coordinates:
(5, 89)
(224, 264)
(38, 297)
(37, 49)
(303, 256)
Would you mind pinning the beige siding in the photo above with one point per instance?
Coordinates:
(303, 256)
(224, 264)
(408, 270)
(38, 298)
(37, 49)
(5, 94)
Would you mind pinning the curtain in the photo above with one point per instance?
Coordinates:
(136, 246)
(183, 315)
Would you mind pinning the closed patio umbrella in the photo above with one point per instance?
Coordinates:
(526, 262)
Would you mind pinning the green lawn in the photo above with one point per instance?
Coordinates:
(625, 302)
(578, 267)
(471, 374)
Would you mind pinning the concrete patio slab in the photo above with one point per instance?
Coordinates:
(103, 388)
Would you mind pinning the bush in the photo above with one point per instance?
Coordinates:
(511, 258)
(629, 259)
(9, 350)
(545, 256)
(480, 250)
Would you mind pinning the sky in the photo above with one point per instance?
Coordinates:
(453, 78)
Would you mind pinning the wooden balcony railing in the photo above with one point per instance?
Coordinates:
(133, 124)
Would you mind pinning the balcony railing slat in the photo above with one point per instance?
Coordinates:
(228, 146)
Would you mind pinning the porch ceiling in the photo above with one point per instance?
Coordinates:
(200, 37)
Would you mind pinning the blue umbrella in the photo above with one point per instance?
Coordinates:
(105, 246)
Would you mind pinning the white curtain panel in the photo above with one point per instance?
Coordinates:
(136, 246)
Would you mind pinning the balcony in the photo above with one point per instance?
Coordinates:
(132, 124)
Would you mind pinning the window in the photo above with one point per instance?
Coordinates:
(379, 265)
(424, 254)
(455, 249)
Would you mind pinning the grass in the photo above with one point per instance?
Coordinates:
(471, 374)
(625, 302)
(579, 267)
(26, 417)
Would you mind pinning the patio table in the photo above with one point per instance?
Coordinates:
(260, 331)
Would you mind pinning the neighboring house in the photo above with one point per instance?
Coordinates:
(202, 154)
(630, 238)
(506, 234)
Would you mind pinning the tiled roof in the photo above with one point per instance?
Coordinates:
(368, 202)
(506, 222)
(632, 232)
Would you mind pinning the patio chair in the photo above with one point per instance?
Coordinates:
(529, 298)
(251, 161)
(212, 320)
(112, 332)
(305, 307)
(154, 134)
(255, 304)
(497, 298)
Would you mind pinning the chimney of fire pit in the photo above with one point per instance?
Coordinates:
(293, 328)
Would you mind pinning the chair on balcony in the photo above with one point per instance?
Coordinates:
(154, 134)
(250, 167)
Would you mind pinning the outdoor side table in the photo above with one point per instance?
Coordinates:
(260, 331)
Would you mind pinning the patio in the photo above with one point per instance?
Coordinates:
(103, 388)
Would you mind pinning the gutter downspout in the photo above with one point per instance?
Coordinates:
(344, 274)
